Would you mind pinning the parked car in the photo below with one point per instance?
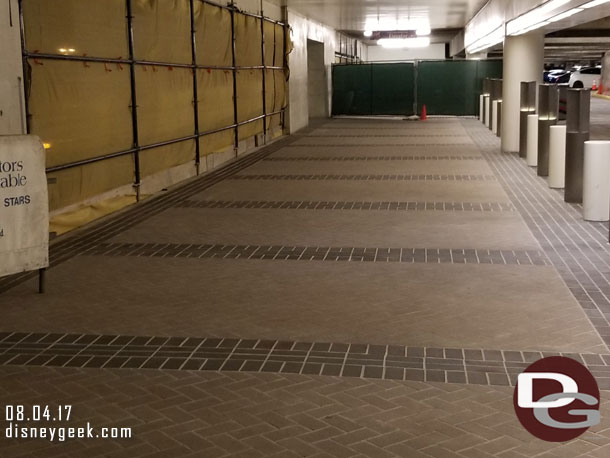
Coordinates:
(585, 77)
(560, 78)
(551, 73)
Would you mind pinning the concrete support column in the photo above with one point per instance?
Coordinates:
(523, 61)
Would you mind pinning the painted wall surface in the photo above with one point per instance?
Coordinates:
(302, 30)
(270, 10)
(317, 78)
(12, 118)
(379, 53)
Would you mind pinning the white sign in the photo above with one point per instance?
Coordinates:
(24, 206)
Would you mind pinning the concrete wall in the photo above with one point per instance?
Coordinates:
(317, 80)
(379, 53)
(12, 113)
(606, 71)
(302, 30)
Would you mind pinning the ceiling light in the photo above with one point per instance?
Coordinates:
(535, 18)
(368, 33)
(397, 43)
(565, 15)
(423, 31)
(594, 3)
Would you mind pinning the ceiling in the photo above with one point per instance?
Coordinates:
(352, 15)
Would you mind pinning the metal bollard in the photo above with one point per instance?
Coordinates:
(596, 181)
(532, 140)
(482, 108)
(557, 158)
(494, 117)
(488, 110)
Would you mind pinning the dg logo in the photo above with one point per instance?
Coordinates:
(557, 399)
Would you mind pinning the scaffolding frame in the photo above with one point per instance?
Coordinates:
(132, 62)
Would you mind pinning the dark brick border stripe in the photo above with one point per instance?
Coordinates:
(333, 254)
(75, 243)
(406, 135)
(449, 365)
(371, 158)
(360, 145)
(364, 206)
(578, 249)
(429, 177)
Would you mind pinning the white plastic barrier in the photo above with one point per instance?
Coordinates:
(532, 140)
(596, 181)
(488, 111)
(494, 117)
(557, 158)
(482, 108)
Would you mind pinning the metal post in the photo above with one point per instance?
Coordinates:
(528, 107)
(284, 62)
(264, 70)
(548, 108)
(195, 86)
(134, 103)
(42, 280)
(26, 78)
(578, 116)
(234, 60)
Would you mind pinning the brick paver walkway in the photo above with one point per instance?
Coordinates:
(365, 288)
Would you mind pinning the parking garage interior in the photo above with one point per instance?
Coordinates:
(293, 228)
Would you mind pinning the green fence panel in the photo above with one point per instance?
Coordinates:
(393, 89)
(352, 93)
(447, 87)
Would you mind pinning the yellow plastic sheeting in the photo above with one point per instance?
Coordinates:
(76, 27)
(162, 30)
(69, 221)
(249, 94)
(275, 90)
(217, 142)
(165, 157)
(213, 35)
(215, 94)
(274, 121)
(248, 41)
(270, 39)
(165, 103)
(81, 111)
(282, 34)
(251, 129)
(80, 183)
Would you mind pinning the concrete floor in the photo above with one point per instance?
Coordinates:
(366, 288)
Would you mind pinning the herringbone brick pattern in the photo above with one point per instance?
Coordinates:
(184, 414)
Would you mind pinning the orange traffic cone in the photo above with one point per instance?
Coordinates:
(424, 113)
(594, 85)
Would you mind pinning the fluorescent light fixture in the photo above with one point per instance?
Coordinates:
(63, 50)
(397, 43)
(368, 33)
(565, 15)
(594, 3)
(534, 19)
(489, 40)
(423, 31)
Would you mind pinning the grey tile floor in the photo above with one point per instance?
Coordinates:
(389, 330)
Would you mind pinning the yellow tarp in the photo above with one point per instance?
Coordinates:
(76, 27)
(213, 35)
(162, 30)
(248, 41)
(81, 110)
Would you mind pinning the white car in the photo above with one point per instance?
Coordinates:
(585, 77)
